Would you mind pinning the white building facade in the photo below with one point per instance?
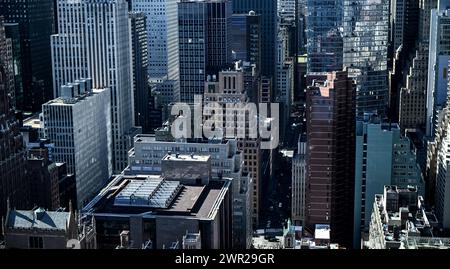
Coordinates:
(79, 125)
(94, 42)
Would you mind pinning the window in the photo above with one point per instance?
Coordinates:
(36, 242)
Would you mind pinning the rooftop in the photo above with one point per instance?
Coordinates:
(166, 197)
(37, 219)
(401, 215)
(156, 193)
(65, 101)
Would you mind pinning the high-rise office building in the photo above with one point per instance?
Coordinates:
(36, 24)
(404, 21)
(246, 38)
(403, 24)
(381, 145)
(436, 119)
(267, 9)
(229, 89)
(413, 97)
(365, 34)
(140, 61)
(412, 103)
(162, 32)
(301, 27)
(204, 43)
(13, 184)
(439, 162)
(284, 87)
(163, 53)
(324, 39)
(438, 60)
(330, 156)
(13, 32)
(89, 29)
(442, 190)
(79, 124)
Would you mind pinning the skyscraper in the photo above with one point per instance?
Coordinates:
(442, 190)
(162, 32)
(268, 11)
(204, 43)
(366, 30)
(79, 124)
(246, 38)
(229, 89)
(89, 29)
(13, 184)
(36, 24)
(380, 144)
(139, 48)
(13, 32)
(413, 97)
(330, 156)
(404, 21)
(438, 60)
(324, 39)
(284, 87)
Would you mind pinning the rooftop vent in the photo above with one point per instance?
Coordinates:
(39, 213)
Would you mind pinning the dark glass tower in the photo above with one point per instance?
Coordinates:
(139, 48)
(268, 11)
(246, 38)
(204, 43)
(13, 33)
(12, 153)
(36, 24)
(324, 39)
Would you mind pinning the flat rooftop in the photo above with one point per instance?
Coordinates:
(153, 193)
(70, 101)
(198, 201)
